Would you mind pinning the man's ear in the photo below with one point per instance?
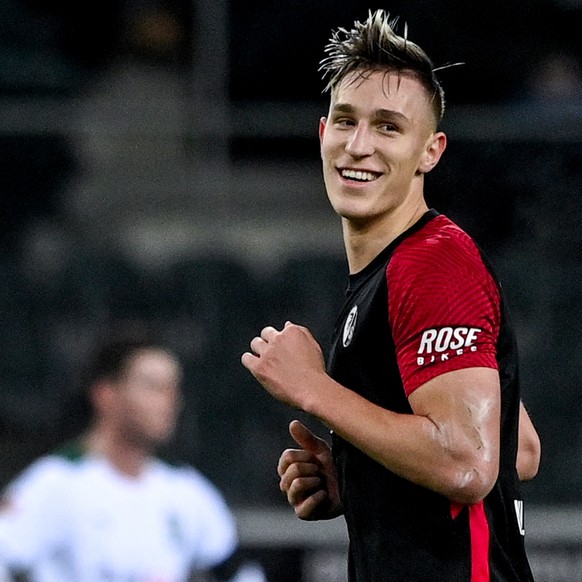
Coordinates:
(434, 149)
(322, 124)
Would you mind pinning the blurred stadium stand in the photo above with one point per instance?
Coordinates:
(141, 185)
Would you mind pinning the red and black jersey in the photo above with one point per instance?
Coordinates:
(428, 304)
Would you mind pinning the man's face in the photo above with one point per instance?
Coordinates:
(148, 398)
(376, 143)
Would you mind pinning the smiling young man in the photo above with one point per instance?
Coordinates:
(429, 438)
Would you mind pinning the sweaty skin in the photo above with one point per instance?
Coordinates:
(439, 447)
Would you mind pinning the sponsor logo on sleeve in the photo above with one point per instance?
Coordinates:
(441, 344)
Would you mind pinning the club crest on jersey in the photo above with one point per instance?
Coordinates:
(440, 344)
(350, 326)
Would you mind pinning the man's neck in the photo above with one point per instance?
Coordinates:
(364, 240)
(128, 459)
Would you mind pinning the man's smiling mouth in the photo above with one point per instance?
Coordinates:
(358, 175)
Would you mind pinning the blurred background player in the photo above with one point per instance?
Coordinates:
(104, 506)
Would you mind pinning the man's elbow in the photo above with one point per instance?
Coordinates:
(528, 459)
(473, 484)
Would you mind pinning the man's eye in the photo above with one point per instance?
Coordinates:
(388, 127)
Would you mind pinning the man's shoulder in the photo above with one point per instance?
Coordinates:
(437, 258)
(438, 238)
(50, 470)
(182, 471)
(439, 230)
(189, 480)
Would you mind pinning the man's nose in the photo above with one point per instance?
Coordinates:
(361, 142)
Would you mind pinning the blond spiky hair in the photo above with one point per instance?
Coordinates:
(374, 45)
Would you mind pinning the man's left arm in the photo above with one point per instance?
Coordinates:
(529, 448)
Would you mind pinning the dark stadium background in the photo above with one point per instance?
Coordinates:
(159, 166)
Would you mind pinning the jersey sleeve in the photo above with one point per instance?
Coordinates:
(443, 306)
(30, 515)
(211, 523)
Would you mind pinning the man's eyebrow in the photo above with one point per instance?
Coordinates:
(390, 114)
(343, 108)
(378, 114)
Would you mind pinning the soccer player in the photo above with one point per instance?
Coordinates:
(105, 507)
(421, 389)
